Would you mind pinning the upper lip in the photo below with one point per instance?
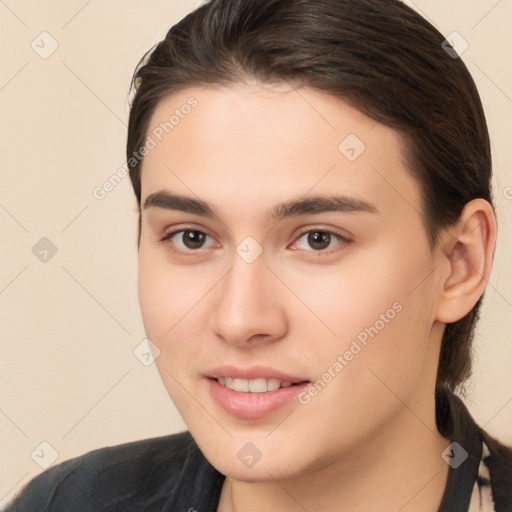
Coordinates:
(252, 372)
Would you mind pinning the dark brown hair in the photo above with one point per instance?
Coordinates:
(379, 56)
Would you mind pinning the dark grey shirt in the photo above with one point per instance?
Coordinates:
(170, 474)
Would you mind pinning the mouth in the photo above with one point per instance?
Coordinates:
(253, 393)
(259, 385)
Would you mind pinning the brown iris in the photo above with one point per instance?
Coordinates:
(319, 239)
(193, 239)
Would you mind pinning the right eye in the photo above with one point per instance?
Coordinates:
(185, 241)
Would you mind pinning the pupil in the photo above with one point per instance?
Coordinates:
(319, 239)
(193, 239)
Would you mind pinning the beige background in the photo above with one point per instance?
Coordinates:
(68, 374)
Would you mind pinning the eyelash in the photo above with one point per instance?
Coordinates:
(170, 235)
(344, 241)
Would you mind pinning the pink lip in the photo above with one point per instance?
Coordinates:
(252, 405)
(254, 372)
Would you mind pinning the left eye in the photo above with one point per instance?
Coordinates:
(187, 239)
(319, 240)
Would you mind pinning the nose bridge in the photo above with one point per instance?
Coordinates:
(248, 305)
(244, 291)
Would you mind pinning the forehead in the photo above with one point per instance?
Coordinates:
(243, 144)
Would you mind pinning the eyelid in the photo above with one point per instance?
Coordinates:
(179, 229)
(344, 240)
(170, 231)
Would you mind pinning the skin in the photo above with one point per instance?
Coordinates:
(244, 149)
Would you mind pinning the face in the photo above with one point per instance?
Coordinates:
(283, 255)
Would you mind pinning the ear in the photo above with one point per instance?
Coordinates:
(465, 259)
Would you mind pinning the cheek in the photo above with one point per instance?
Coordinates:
(166, 294)
(374, 310)
(154, 297)
(166, 304)
(353, 294)
(173, 302)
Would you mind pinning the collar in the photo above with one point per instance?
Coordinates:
(464, 454)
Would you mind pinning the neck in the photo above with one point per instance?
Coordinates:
(389, 472)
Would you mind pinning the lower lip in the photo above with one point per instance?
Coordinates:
(253, 405)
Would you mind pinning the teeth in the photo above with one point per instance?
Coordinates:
(273, 384)
(257, 386)
(254, 385)
(241, 385)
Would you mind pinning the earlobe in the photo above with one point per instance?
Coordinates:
(467, 255)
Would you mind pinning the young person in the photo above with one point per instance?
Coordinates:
(316, 233)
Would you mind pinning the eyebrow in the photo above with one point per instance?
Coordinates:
(167, 201)
(292, 208)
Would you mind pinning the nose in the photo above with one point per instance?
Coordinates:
(250, 309)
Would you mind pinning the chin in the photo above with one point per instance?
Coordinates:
(271, 459)
(260, 472)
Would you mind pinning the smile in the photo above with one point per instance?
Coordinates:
(259, 385)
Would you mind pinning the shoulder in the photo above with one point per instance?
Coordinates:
(130, 474)
(498, 459)
(486, 478)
